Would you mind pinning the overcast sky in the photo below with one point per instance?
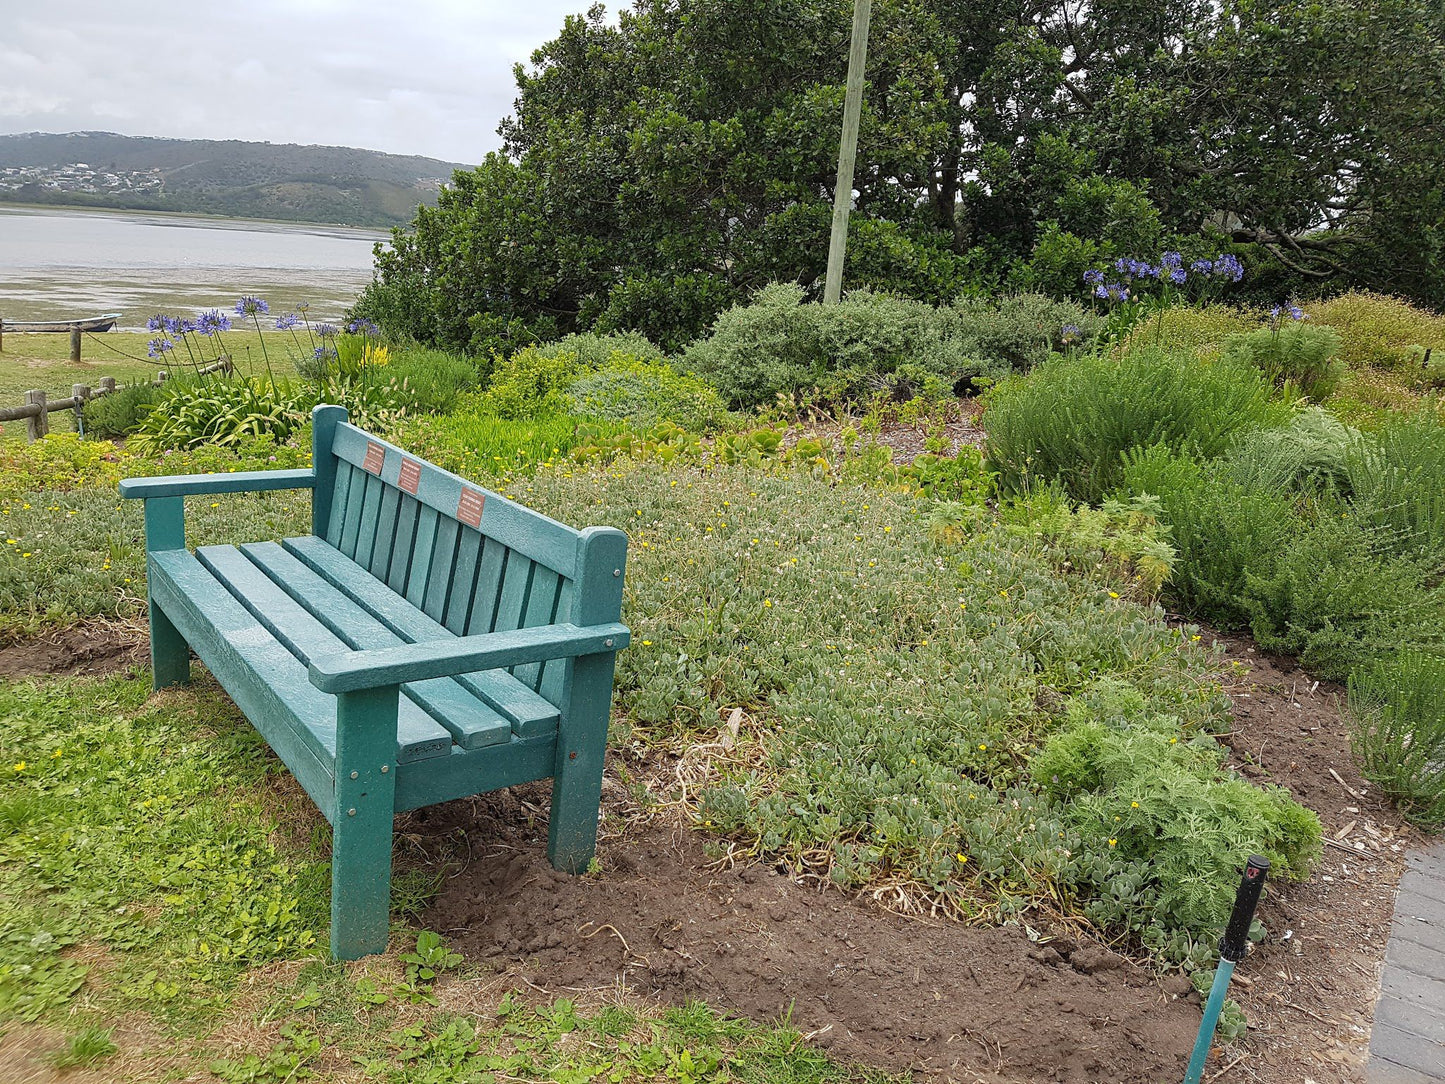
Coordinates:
(429, 77)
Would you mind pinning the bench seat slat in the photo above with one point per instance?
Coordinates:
(297, 720)
(419, 736)
(472, 723)
(529, 713)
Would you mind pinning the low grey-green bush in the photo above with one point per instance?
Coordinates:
(1073, 419)
(894, 676)
(1397, 483)
(871, 344)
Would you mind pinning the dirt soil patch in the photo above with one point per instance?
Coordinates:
(936, 997)
(1309, 991)
(92, 648)
(663, 920)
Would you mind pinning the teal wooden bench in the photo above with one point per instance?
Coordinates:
(429, 640)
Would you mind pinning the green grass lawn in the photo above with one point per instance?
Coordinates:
(42, 361)
(166, 884)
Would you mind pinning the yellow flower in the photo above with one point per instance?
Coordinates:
(768, 603)
(646, 643)
(215, 504)
(57, 754)
(19, 766)
(1113, 842)
(961, 857)
(982, 748)
(1113, 594)
(1134, 804)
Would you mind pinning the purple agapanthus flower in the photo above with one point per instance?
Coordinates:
(158, 347)
(251, 306)
(363, 327)
(1202, 267)
(185, 327)
(1178, 275)
(321, 353)
(1274, 312)
(1116, 292)
(327, 331)
(208, 323)
(1297, 313)
(156, 322)
(1094, 277)
(1228, 267)
(1170, 260)
(1070, 333)
(287, 321)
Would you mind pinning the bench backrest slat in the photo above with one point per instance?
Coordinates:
(404, 520)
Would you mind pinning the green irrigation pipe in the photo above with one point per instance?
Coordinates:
(1232, 947)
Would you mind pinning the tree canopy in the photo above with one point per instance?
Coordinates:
(660, 169)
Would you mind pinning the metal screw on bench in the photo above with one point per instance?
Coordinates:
(1232, 947)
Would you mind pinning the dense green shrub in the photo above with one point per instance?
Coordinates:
(1397, 707)
(475, 441)
(120, 413)
(1296, 356)
(1072, 419)
(430, 381)
(1312, 452)
(598, 377)
(871, 344)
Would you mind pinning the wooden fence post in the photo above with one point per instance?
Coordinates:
(74, 342)
(107, 385)
(81, 394)
(38, 424)
(2, 335)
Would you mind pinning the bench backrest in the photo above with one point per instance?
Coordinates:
(473, 560)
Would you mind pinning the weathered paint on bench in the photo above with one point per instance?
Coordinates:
(429, 640)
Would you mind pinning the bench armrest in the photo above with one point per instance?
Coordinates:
(356, 670)
(188, 485)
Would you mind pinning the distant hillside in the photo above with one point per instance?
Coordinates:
(247, 180)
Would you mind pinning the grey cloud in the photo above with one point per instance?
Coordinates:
(429, 77)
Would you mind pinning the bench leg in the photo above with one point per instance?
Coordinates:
(170, 655)
(362, 822)
(581, 748)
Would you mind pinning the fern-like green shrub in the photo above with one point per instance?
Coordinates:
(1296, 357)
(1396, 477)
(1073, 419)
(1299, 565)
(1397, 710)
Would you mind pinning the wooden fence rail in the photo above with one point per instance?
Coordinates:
(37, 408)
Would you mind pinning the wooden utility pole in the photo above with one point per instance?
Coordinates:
(847, 151)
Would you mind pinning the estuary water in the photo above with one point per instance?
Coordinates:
(59, 263)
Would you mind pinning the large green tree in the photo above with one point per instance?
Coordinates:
(657, 170)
